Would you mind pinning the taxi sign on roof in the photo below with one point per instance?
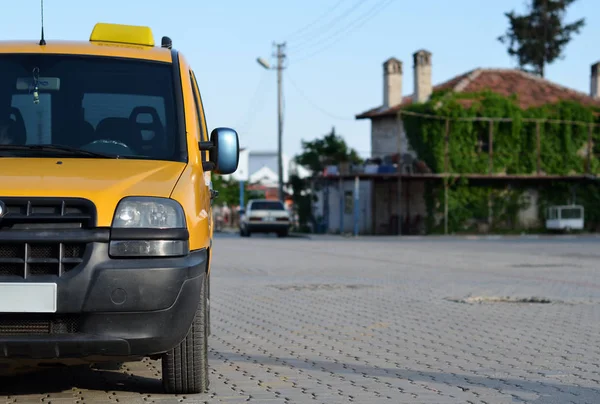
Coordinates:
(125, 34)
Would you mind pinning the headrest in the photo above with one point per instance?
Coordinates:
(119, 129)
(11, 132)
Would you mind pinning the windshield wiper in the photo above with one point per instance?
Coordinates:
(55, 148)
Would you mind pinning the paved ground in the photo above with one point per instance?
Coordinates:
(332, 320)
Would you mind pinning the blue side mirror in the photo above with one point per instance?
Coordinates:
(224, 151)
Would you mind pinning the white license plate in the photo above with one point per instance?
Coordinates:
(28, 297)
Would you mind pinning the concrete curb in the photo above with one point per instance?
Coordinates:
(300, 235)
(460, 237)
(489, 237)
(290, 235)
(512, 237)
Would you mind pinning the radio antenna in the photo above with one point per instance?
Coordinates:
(42, 41)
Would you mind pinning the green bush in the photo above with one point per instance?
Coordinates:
(514, 151)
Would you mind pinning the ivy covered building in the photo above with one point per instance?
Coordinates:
(489, 147)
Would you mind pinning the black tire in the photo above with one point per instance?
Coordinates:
(185, 367)
(107, 365)
(208, 333)
(283, 233)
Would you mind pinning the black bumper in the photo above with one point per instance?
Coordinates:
(120, 307)
(267, 227)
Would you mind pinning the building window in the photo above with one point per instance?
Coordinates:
(483, 141)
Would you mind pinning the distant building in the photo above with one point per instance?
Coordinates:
(259, 170)
(531, 90)
(388, 136)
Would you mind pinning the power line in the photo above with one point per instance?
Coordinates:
(496, 119)
(314, 104)
(255, 104)
(328, 26)
(373, 12)
(357, 23)
(329, 10)
(325, 39)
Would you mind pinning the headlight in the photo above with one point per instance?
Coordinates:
(157, 227)
(149, 213)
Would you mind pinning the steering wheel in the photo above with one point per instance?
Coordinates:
(109, 147)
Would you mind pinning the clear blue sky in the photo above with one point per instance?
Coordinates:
(222, 39)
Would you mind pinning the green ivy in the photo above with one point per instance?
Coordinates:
(563, 151)
(229, 191)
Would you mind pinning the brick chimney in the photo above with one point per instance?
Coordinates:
(392, 83)
(422, 74)
(594, 82)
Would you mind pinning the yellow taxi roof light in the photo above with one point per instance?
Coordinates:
(125, 34)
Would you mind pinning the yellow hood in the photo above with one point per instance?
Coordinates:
(103, 181)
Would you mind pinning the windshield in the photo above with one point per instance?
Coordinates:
(267, 206)
(115, 107)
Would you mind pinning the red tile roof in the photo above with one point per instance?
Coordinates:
(532, 91)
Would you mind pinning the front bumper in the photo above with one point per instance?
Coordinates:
(111, 307)
(267, 227)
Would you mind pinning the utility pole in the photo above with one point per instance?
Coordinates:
(280, 55)
(280, 58)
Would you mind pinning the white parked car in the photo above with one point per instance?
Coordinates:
(265, 216)
(565, 217)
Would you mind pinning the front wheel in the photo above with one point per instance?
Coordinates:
(208, 305)
(185, 367)
(107, 365)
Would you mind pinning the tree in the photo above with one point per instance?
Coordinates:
(316, 154)
(229, 192)
(331, 149)
(540, 37)
(302, 201)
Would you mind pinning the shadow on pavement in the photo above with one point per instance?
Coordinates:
(548, 392)
(57, 380)
(64, 379)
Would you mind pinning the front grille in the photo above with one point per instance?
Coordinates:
(38, 324)
(27, 260)
(47, 213)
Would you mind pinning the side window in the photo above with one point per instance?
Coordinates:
(199, 112)
(199, 130)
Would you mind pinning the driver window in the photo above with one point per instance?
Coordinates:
(199, 113)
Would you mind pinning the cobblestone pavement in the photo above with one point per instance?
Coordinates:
(379, 320)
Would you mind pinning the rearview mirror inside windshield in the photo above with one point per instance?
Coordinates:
(44, 83)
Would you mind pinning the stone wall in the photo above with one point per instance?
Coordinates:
(384, 137)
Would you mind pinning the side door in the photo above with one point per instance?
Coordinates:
(200, 112)
(201, 119)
